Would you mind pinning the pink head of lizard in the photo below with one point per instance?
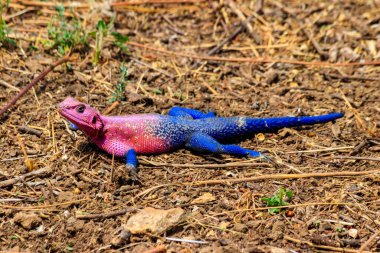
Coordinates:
(86, 118)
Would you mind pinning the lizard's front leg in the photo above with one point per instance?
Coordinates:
(131, 162)
(177, 111)
(73, 127)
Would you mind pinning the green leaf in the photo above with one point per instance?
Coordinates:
(69, 248)
(92, 34)
(277, 200)
(289, 194)
(101, 25)
(119, 37)
(158, 91)
(118, 94)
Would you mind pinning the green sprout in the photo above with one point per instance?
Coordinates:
(101, 32)
(118, 94)
(63, 34)
(120, 41)
(5, 41)
(278, 200)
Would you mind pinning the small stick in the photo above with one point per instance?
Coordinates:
(255, 60)
(184, 240)
(373, 237)
(285, 176)
(34, 81)
(76, 5)
(173, 27)
(102, 216)
(216, 49)
(263, 177)
(260, 7)
(6, 18)
(154, 68)
(158, 249)
(316, 45)
(43, 206)
(244, 21)
(29, 130)
(10, 86)
(320, 150)
(15, 180)
(191, 165)
(356, 113)
(358, 158)
(287, 207)
(111, 107)
(29, 164)
(358, 78)
(336, 249)
(11, 200)
(136, 2)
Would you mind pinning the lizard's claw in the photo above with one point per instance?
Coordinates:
(262, 156)
(266, 158)
(133, 174)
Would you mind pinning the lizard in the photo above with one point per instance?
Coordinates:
(130, 135)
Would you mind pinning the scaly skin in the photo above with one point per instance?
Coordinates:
(126, 136)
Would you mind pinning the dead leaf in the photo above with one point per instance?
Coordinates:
(205, 198)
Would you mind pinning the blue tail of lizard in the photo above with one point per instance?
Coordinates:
(225, 129)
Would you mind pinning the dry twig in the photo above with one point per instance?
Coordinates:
(103, 216)
(371, 239)
(15, 180)
(29, 130)
(34, 81)
(158, 249)
(336, 249)
(254, 60)
(264, 177)
(244, 21)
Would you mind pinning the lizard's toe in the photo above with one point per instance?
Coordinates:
(268, 159)
(133, 174)
(253, 153)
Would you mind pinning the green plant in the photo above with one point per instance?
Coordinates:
(120, 41)
(64, 34)
(5, 41)
(69, 247)
(101, 32)
(118, 94)
(278, 200)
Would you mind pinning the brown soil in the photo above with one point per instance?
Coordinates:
(42, 213)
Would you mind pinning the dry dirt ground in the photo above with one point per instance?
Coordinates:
(294, 58)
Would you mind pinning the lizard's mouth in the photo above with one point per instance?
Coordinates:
(70, 117)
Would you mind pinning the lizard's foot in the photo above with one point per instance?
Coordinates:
(263, 157)
(73, 127)
(133, 173)
(253, 153)
(267, 158)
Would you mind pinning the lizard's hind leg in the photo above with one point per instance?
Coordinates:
(201, 142)
(189, 113)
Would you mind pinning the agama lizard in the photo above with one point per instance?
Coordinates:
(126, 136)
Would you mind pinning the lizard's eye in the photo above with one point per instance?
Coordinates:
(80, 108)
(94, 120)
